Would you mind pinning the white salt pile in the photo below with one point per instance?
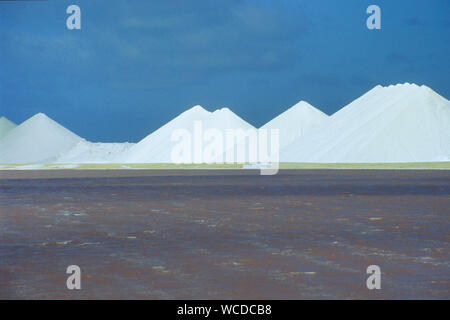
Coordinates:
(6, 125)
(398, 123)
(401, 123)
(296, 121)
(38, 139)
(157, 147)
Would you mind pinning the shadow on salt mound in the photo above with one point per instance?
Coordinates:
(6, 126)
(94, 152)
(37, 140)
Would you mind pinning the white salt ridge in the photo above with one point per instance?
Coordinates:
(401, 123)
(37, 140)
(90, 152)
(6, 126)
(157, 146)
(295, 122)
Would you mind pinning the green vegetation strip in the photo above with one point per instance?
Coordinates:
(407, 165)
(283, 165)
(158, 166)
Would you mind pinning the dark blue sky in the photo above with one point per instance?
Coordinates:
(135, 65)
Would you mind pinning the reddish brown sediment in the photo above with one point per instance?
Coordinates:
(207, 234)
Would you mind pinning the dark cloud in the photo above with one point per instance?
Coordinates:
(228, 37)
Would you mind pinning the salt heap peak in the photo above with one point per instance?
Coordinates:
(295, 122)
(157, 146)
(398, 123)
(224, 119)
(38, 139)
(195, 109)
(222, 110)
(6, 126)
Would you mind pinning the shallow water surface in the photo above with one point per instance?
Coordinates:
(225, 234)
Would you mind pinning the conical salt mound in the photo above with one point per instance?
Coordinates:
(295, 122)
(157, 147)
(38, 139)
(401, 123)
(6, 126)
(153, 148)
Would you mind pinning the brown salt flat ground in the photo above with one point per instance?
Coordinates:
(225, 234)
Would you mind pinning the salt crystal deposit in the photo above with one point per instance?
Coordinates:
(90, 152)
(6, 125)
(38, 139)
(295, 122)
(157, 147)
(401, 123)
(398, 123)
